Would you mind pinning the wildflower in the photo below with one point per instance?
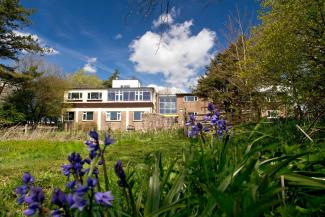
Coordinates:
(93, 134)
(75, 166)
(108, 140)
(211, 107)
(92, 146)
(32, 209)
(119, 171)
(28, 178)
(194, 131)
(76, 201)
(71, 185)
(57, 213)
(91, 183)
(104, 198)
(81, 190)
(59, 198)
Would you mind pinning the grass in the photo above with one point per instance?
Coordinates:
(43, 159)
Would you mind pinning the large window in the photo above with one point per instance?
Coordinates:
(137, 115)
(167, 104)
(113, 116)
(75, 96)
(190, 98)
(95, 96)
(88, 116)
(129, 95)
(69, 116)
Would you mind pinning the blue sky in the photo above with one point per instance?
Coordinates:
(95, 35)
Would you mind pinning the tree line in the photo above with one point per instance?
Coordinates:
(279, 63)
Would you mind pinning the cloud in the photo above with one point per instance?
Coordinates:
(89, 66)
(166, 90)
(163, 19)
(48, 50)
(118, 36)
(178, 54)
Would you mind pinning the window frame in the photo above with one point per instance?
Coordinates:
(85, 113)
(74, 99)
(195, 98)
(67, 116)
(141, 113)
(118, 116)
(89, 96)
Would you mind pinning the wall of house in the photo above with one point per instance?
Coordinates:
(183, 108)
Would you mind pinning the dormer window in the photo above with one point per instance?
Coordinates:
(94, 96)
(75, 96)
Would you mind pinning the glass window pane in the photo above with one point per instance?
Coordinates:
(137, 116)
(146, 96)
(132, 96)
(111, 96)
(125, 95)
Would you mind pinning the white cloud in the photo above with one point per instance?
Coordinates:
(118, 36)
(47, 49)
(178, 54)
(89, 66)
(166, 90)
(163, 19)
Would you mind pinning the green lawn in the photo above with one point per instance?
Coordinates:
(44, 158)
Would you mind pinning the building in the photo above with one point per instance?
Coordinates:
(127, 105)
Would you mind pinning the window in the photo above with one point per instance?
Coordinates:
(167, 104)
(113, 116)
(139, 95)
(88, 116)
(95, 96)
(272, 114)
(193, 113)
(125, 86)
(126, 95)
(111, 96)
(118, 96)
(137, 116)
(69, 116)
(190, 98)
(132, 96)
(146, 96)
(74, 96)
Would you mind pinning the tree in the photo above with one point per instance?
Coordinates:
(81, 79)
(37, 98)
(108, 83)
(12, 18)
(288, 50)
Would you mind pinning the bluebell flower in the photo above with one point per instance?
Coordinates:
(36, 194)
(76, 201)
(214, 119)
(28, 178)
(93, 134)
(92, 155)
(59, 198)
(119, 171)
(108, 140)
(21, 191)
(32, 209)
(193, 131)
(75, 166)
(104, 198)
(91, 183)
(92, 146)
(57, 213)
(211, 107)
(71, 185)
(81, 190)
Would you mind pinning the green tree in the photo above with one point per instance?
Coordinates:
(36, 98)
(81, 79)
(288, 50)
(14, 17)
(115, 75)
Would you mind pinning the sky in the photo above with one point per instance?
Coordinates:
(100, 36)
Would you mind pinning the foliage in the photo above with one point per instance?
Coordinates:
(287, 50)
(108, 83)
(39, 97)
(14, 17)
(81, 79)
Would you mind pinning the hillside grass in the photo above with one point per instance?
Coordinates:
(44, 158)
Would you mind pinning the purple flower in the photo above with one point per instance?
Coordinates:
(91, 183)
(59, 198)
(32, 209)
(108, 140)
(76, 201)
(92, 146)
(194, 131)
(104, 198)
(119, 171)
(214, 119)
(92, 154)
(93, 134)
(211, 107)
(71, 185)
(36, 194)
(81, 190)
(28, 178)
(57, 213)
